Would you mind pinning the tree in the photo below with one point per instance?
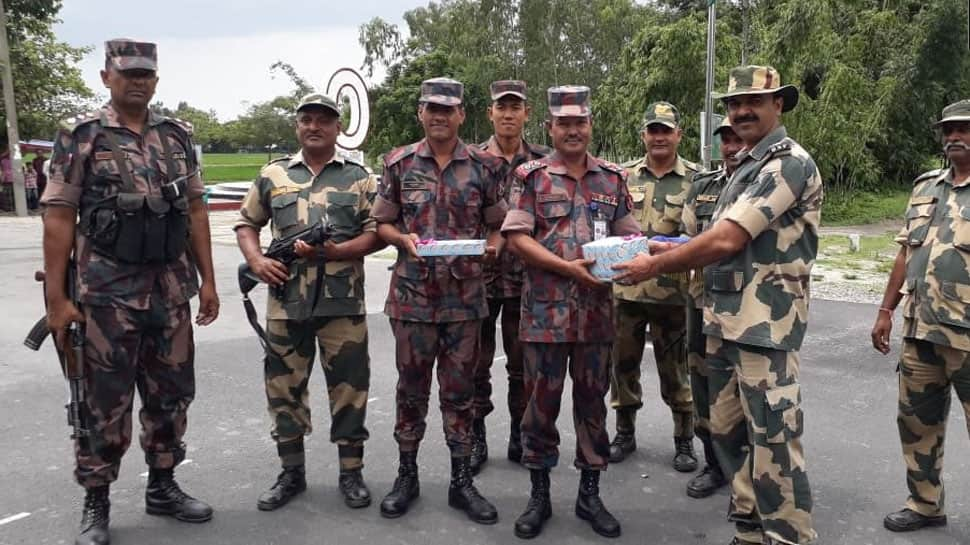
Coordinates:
(47, 83)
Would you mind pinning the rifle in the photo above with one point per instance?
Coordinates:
(280, 249)
(71, 357)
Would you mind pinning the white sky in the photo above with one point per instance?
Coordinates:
(216, 54)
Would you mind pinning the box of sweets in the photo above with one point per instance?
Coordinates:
(610, 251)
(446, 248)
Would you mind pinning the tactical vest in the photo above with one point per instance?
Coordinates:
(135, 227)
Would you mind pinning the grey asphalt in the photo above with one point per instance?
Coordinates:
(852, 449)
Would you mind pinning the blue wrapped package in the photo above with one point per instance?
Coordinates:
(612, 250)
(445, 248)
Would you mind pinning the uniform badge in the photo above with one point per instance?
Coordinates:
(610, 200)
(707, 198)
(551, 197)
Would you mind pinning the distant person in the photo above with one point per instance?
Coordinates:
(931, 271)
(30, 186)
(39, 166)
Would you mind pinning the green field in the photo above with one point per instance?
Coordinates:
(232, 167)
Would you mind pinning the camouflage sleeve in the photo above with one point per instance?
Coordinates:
(368, 191)
(688, 218)
(254, 211)
(623, 221)
(196, 188)
(66, 179)
(387, 203)
(522, 203)
(776, 190)
(495, 206)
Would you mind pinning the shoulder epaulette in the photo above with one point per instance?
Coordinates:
(612, 167)
(780, 149)
(927, 175)
(72, 123)
(704, 175)
(396, 154)
(631, 163)
(523, 170)
(538, 149)
(184, 126)
(277, 160)
(690, 165)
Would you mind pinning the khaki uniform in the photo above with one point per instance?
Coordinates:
(656, 303)
(936, 330)
(322, 303)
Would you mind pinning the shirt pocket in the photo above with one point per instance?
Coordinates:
(285, 212)
(465, 208)
(638, 197)
(342, 210)
(703, 212)
(724, 280)
(553, 207)
(918, 220)
(953, 308)
(673, 211)
(341, 280)
(961, 230)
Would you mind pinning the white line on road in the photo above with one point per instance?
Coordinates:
(500, 358)
(14, 518)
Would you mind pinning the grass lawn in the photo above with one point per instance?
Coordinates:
(861, 208)
(232, 167)
(876, 254)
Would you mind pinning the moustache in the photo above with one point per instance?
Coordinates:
(955, 145)
(746, 119)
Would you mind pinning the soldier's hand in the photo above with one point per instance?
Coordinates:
(579, 271)
(408, 242)
(638, 269)
(270, 271)
(491, 255)
(304, 250)
(657, 247)
(881, 331)
(208, 305)
(60, 314)
(333, 251)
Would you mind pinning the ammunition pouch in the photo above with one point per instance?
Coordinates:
(138, 228)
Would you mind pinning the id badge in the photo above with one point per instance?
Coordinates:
(600, 230)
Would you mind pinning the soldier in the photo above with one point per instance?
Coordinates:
(561, 202)
(319, 300)
(438, 188)
(757, 256)
(508, 113)
(143, 233)
(658, 185)
(698, 209)
(931, 271)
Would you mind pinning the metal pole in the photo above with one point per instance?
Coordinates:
(16, 165)
(708, 101)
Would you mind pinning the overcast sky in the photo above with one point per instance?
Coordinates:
(216, 54)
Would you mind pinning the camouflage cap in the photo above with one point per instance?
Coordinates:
(501, 88)
(444, 91)
(958, 111)
(661, 113)
(759, 80)
(126, 54)
(317, 99)
(569, 101)
(725, 124)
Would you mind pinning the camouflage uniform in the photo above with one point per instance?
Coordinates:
(698, 210)
(503, 290)
(658, 303)
(561, 320)
(755, 317)
(139, 329)
(436, 306)
(322, 303)
(936, 344)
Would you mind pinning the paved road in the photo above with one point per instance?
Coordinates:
(852, 449)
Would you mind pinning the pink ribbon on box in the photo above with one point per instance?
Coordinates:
(632, 237)
(426, 241)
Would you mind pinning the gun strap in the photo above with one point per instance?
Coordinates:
(129, 182)
(253, 319)
(170, 166)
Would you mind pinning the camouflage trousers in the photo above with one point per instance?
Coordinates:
(511, 312)
(926, 373)
(545, 375)
(346, 368)
(456, 346)
(667, 329)
(756, 425)
(154, 351)
(700, 375)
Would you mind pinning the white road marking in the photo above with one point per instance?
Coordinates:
(500, 358)
(14, 518)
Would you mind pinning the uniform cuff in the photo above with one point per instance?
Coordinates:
(517, 220)
(495, 214)
(62, 194)
(385, 211)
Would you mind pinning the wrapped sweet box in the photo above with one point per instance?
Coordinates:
(612, 250)
(445, 248)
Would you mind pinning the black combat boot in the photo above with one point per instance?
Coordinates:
(356, 494)
(290, 483)
(164, 497)
(515, 442)
(907, 520)
(94, 520)
(623, 444)
(590, 507)
(463, 495)
(529, 524)
(710, 478)
(406, 487)
(685, 460)
(479, 446)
